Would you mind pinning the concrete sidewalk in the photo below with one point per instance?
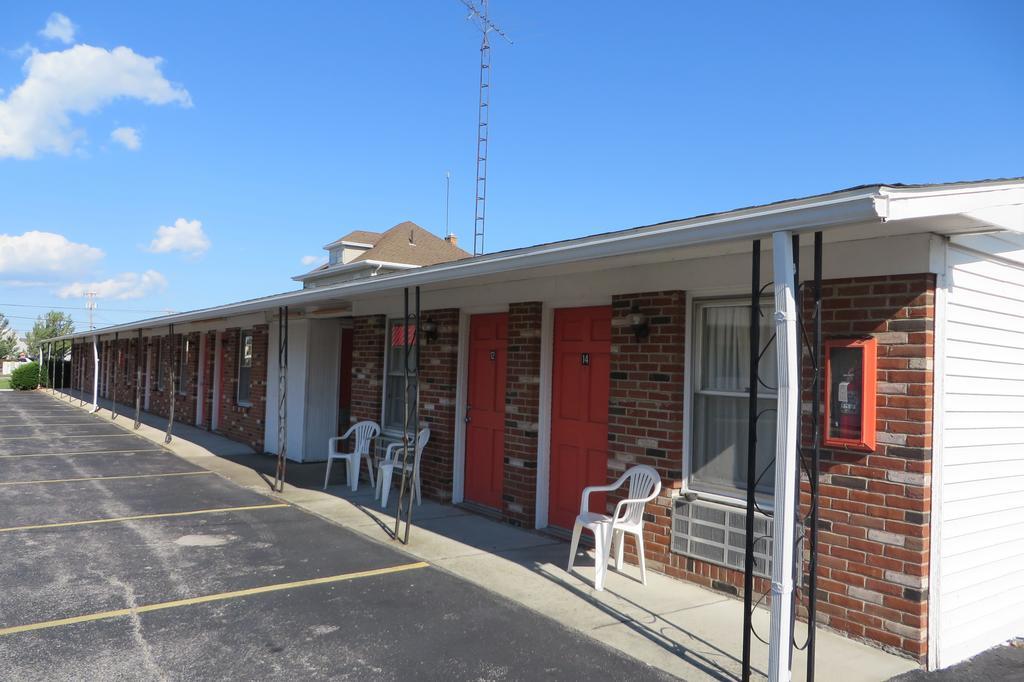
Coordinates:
(681, 628)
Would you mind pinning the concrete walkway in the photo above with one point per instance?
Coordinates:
(683, 629)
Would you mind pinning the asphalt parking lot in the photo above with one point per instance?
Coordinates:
(122, 561)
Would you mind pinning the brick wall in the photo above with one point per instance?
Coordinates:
(645, 410)
(522, 404)
(243, 423)
(874, 553)
(161, 348)
(207, 364)
(873, 539)
(367, 367)
(438, 369)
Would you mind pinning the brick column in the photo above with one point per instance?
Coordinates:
(522, 404)
(367, 367)
(645, 410)
(438, 375)
(245, 424)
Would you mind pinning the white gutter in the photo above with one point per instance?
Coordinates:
(745, 224)
(787, 430)
(353, 267)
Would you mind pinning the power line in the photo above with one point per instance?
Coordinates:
(58, 307)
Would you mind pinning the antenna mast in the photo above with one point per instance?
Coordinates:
(486, 26)
(90, 305)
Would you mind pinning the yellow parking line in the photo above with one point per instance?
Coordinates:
(37, 423)
(80, 452)
(105, 478)
(84, 435)
(140, 517)
(221, 596)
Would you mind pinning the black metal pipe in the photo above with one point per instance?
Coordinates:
(138, 380)
(171, 388)
(282, 399)
(748, 562)
(116, 361)
(798, 556)
(63, 348)
(812, 570)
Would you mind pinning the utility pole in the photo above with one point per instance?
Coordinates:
(483, 22)
(90, 305)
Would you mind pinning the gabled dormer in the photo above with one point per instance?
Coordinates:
(362, 253)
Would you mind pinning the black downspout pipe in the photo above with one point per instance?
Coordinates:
(812, 570)
(171, 388)
(116, 360)
(138, 381)
(748, 561)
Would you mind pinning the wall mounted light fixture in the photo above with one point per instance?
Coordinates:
(636, 321)
(429, 329)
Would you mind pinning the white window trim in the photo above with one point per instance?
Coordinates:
(238, 369)
(690, 369)
(384, 429)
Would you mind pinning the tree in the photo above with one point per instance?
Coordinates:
(8, 339)
(47, 326)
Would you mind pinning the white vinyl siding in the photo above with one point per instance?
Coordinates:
(981, 546)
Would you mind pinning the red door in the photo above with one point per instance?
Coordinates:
(579, 410)
(485, 409)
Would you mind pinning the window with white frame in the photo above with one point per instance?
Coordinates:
(394, 388)
(244, 367)
(720, 381)
(159, 363)
(181, 380)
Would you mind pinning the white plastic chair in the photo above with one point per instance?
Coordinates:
(628, 517)
(392, 461)
(364, 432)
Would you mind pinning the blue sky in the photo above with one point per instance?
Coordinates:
(278, 128)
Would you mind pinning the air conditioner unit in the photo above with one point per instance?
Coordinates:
(716, 533)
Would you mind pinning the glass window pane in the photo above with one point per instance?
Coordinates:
(719, 453)
(395, 388)
(244, 367)
(720, 445)
(725, 348)
(847, 379)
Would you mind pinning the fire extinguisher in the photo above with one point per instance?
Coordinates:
(846, 418)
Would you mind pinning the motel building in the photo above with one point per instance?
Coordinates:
(545, 369)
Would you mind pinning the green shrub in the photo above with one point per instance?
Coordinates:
(25, 377)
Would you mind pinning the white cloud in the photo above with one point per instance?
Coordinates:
(34, 252)
(129, 137)
(124, 286)
(312, 260)
(184, 235)
(35, 116)
(59, 27)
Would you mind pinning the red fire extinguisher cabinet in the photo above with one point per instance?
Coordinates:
(850, 397)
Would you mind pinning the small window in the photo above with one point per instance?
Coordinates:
(721, 381)
(244, 367)
(159, 363)
(395, 385)
(181, 379)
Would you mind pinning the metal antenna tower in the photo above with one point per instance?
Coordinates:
(90, 305)
(483, 22)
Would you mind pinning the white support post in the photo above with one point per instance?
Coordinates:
(95, 376)
(780, 661)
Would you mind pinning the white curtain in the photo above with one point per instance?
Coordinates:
(719, 461)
